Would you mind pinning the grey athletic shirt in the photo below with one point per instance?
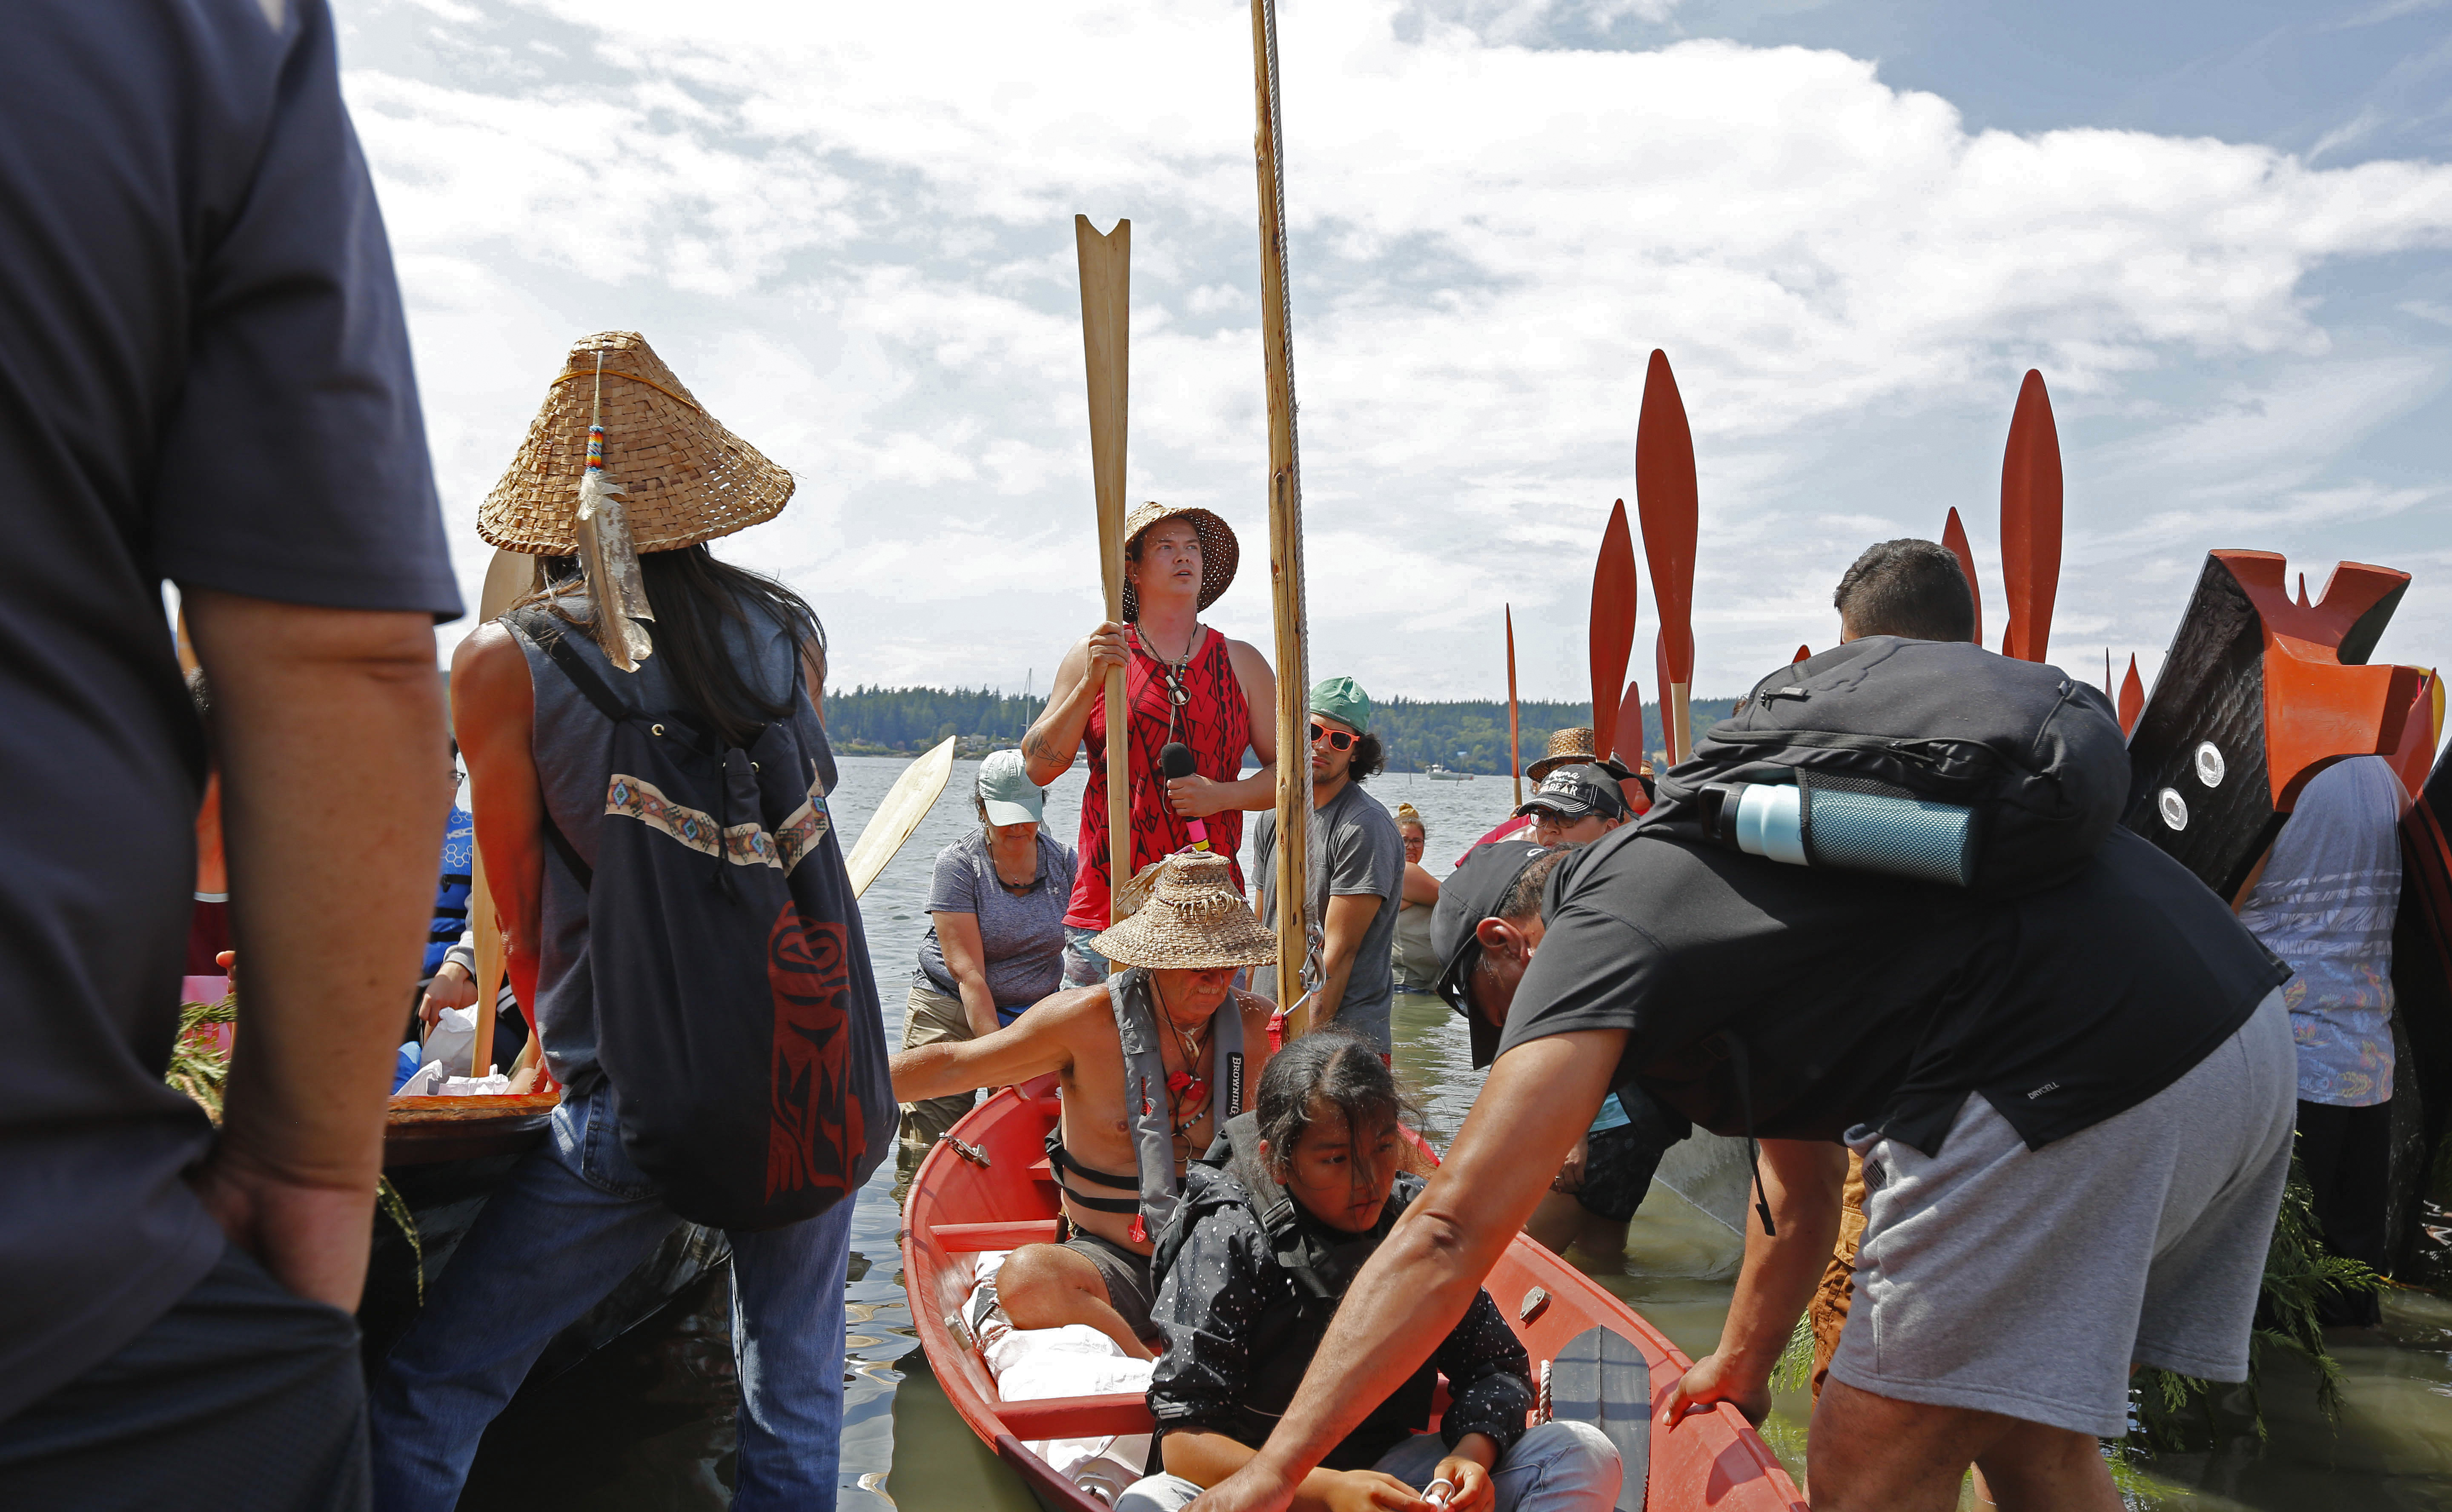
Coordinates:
(1366, 855)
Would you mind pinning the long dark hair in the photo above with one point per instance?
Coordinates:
(692, 596)
(1331, 1066)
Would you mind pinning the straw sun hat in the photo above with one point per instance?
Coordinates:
(1571, 747)
(1220, 553)
(1193, 920)
(683, 477)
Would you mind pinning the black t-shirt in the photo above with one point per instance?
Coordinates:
(1861, 999)
(205, 377)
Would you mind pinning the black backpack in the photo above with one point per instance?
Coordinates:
(2036, 756)
(737, 1016)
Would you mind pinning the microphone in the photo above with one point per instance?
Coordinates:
(1174, 760)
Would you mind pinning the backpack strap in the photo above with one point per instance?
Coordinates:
(550, 637)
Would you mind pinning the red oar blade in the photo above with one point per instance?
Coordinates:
(1612, 622)
(1953, 535)
(1665, 494)
(1627, 748)
(2030, 521)
(1803, 653)
(2132, 698)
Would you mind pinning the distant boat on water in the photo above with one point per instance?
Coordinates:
(1440, 773)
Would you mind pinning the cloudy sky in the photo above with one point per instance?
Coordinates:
(2223, 231)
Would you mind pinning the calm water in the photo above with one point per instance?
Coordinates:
(647, 1422)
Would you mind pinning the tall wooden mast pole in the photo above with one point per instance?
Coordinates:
(1297, 930)
(1515, 745)
(1106, 339)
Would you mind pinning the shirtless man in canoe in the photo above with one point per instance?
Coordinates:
(1151, 1062)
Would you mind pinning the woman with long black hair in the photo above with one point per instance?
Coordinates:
(730, 661)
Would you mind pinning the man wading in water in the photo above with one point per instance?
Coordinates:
(2071, 1082)
(1147, 1061)
(1184, 682)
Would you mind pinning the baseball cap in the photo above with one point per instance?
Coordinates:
(1342, 698)
(1571, 793)
(1006, 790)
(1470, 894)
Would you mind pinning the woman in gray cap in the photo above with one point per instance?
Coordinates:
(996, 934)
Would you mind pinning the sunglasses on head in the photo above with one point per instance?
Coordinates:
(1337, 739)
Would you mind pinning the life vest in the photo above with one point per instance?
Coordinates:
(1147, 1106)
(1320, 1264)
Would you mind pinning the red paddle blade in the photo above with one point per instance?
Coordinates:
(2030, 521)
(1666, 497)
(1628, 751)
(1803, 652)
(1953, 535)
(1613, 624)
(2132, 698)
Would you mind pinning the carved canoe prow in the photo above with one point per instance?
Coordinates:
(2259, 693)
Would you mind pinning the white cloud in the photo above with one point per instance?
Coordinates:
(854, 241)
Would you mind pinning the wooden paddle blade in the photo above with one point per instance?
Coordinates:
(1629, 748)
(2132, 698)
(1106, 264)
(1613, 622)
(906, 804)
(1515, 738)
(1953, 535)
(1803, 652)
(2030, 521)
(1667, 498)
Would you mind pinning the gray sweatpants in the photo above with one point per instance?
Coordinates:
(2025, 1281)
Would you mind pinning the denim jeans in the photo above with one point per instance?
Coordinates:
(1084, 967)
(570, 1222)
(1557, 1467)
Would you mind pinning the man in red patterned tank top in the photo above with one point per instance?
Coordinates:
(1184, 682)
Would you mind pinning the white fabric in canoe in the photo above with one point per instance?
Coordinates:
(1033, 1365)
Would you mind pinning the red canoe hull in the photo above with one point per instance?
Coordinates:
(957, 1209)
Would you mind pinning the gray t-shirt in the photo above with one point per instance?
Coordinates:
(1366, 857)
(1023, 936)
(207, 380)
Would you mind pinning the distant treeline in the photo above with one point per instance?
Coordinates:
(916, 719)
(1472, 736)
(1464, 737)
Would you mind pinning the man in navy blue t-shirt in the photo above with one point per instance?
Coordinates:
(204, 378)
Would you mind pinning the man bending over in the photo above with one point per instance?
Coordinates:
(2097, 1064)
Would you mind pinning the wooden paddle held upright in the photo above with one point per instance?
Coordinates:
(2030, 522)
(1294, 924)
(508, 579)
(1665, 495)
(1515, 740)
(1613, 624)
(1953, 535)
(1106, 336)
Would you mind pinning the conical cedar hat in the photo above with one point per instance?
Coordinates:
(1187, 916)
(684, 477)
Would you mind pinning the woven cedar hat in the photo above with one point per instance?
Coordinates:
(1220, 553)
(684, 477)
(1193, 920)
(1572, 747)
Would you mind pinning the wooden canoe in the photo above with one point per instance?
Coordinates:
(957, 1210)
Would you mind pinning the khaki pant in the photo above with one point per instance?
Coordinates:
(1828, 1310)
(932, 1017)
